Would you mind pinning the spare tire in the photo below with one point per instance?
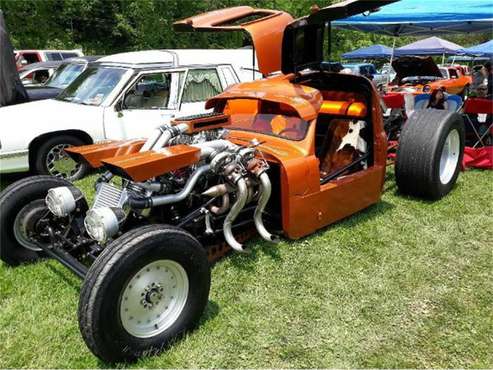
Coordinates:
(431, 147)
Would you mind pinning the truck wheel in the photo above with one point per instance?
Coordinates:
(51, 158)
(430, 152)
(146, 288)
(21, 206)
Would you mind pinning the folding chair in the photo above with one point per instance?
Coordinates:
(421, 101)
(454, 102)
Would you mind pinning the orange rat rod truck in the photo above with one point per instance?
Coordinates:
(283, 156)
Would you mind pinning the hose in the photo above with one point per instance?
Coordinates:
(159, 200)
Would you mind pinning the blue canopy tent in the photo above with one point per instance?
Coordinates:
(370, 52)
(430, 46)
(424, 18)
(481, 50)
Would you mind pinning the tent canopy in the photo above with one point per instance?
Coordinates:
(370, 52)
(430, 46)
(424, 17)
(481, 50)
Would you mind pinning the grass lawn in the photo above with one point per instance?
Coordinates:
(405, 283)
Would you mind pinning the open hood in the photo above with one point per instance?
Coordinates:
(11, 89)
(415, 66)
(303, 41)
(278, 40)
(265, 27)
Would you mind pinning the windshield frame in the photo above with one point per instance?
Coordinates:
(110, 97)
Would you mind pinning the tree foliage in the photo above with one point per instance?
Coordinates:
(105, 27)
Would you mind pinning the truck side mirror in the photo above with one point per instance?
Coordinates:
(119, 106)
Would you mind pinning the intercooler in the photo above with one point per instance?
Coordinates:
(110, 196)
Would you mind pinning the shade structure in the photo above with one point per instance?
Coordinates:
(11, 89)
(370, 52)
(429, 46)
(424, 17)
(481, 50)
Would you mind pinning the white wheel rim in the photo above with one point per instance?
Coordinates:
(154, 298)
(450, 157)
(59, 163)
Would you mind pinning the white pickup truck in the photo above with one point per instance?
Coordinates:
(121, 96)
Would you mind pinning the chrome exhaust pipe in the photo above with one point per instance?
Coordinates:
(241, 198)
(170, 132)
(219, 210)
(155, 135)
(265, 190)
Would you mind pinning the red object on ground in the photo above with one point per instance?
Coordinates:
(478, 157)
(394, 100)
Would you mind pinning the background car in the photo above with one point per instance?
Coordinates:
(25, 57)
(369, 70)
(37, 73)
(64, 73)
(418, 75)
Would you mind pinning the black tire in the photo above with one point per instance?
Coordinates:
(42, 153)
(100, 320)
(422, 141)
(12, 200)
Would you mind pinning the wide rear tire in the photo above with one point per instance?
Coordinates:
(431, 147)
(20, 203)
(147, 288)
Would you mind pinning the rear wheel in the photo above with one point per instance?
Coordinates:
(51, 158)
(21, 206)
(430, 152)
(147, 288)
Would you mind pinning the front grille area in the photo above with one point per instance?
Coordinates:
(109, 196)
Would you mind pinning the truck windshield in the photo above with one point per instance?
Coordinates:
(64, 75)
(287, 127)
(92, 86)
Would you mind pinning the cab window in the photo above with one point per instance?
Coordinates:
(154, 91)
(267, 118)
(453, 73)
(200, 85)
(54, 56)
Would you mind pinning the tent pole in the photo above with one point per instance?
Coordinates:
(443, 59)
(391, 59)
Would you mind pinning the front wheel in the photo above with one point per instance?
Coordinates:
(51, 159)
(146, 288)
(431, 147)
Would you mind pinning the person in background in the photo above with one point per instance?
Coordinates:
(489, 77)
(478, 78)
(437, 99)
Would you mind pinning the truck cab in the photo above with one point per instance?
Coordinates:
(123, 96)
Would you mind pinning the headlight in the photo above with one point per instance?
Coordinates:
(426, 88)
(63, 200)
(104, 222)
